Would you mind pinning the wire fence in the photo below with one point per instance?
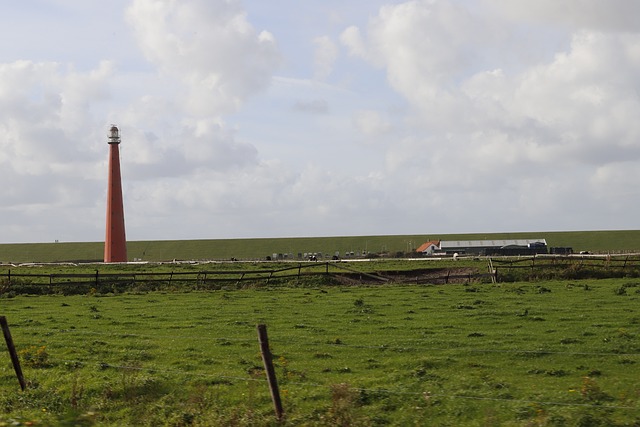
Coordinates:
(498, 269)
(289, 339)
(65, 282)
(546, 267)
(287, 342)
(611, 262)
(103, 364)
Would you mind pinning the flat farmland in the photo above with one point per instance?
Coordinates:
(520, 354)
(250, 249)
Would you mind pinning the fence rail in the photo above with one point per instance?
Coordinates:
(499, 268)
(333, 270)
(565, 267)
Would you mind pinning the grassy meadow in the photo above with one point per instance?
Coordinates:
(517, 354)
(248, 249)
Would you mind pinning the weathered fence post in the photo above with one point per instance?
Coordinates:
(492, 272)
(533, 265)
(268, 367)
(12, 351)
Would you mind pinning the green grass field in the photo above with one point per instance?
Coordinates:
(519, 354)
(164, 250)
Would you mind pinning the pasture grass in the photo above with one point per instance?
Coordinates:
(260, 248)
(520, 354)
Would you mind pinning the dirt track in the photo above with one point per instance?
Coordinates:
(427, 276)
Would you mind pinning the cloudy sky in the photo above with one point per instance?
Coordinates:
(253, 118)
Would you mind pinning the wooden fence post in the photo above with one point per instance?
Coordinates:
(12, 351)
(533, 264)
(268, 367)
(493, 272)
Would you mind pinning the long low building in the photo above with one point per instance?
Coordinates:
(485, 247)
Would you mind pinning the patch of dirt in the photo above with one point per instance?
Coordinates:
(420, 276)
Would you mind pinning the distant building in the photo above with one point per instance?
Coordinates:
(565, 250)
(428, 248)
(485, 247)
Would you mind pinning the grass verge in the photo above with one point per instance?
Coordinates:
(545, 353)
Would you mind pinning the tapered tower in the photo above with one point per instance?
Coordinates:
(115, 244)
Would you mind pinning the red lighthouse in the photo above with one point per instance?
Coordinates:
(115, 244)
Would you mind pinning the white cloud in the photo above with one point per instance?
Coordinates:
(522, 130)
(371, 122)
(587, 97)
(446, 116)
(352, 38)
(325, 55)
(43, 107)
(611, 15)
(313, 106)
(209, 46)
